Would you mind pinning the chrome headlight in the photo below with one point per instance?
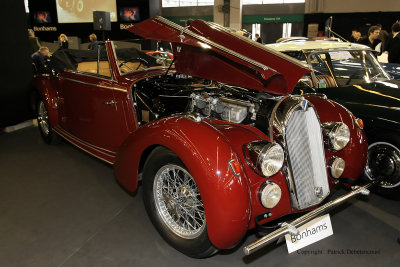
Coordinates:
(271, 159)
(264, 157)
(270, 194)
(337, 134)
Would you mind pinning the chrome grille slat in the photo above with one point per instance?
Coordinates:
(306, 158)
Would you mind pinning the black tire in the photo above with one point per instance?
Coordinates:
(168, 208)
(384, 161)
(46, 131)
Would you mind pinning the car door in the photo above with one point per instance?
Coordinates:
(88, 107)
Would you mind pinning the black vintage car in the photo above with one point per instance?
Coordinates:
(351, 75)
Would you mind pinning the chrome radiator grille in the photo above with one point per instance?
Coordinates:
(306, 158)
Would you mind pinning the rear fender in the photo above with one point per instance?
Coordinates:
(44, 86)
(205, 152)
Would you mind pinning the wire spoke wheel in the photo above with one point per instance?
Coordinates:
(178, 201)
(43, 119)
(45, 128)
(174, 205)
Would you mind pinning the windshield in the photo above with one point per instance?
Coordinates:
(348, 67)
(130, 58)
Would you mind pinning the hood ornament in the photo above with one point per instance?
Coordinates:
(181, 36)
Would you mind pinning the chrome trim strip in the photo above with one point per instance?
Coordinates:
(288, 228)
(75, 144)
(97, 148)
(211, 43)
(101, 86)
(319, 95)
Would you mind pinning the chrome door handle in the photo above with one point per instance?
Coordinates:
(110, 103)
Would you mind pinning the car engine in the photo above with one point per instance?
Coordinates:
(177, 94)
(228, 109)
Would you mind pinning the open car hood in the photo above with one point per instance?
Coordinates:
(210, 51)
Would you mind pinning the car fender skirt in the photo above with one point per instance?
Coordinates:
(205, 152)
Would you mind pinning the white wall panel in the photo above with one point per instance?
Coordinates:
(347, 6)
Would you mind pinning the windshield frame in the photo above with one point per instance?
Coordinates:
(146, 57)
(366, 55)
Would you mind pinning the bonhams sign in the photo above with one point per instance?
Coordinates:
(124, 26)
(309, 233)
(44, 29)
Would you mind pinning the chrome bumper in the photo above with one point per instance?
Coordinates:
(291, 228)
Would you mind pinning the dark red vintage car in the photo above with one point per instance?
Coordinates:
(218, 141)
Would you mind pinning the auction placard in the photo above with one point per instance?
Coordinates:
(309, 233)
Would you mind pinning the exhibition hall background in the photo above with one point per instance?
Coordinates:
(16, 70)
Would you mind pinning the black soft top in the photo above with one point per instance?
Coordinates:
(63, 59)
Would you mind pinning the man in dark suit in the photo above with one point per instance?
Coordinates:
(40, 58)
(393, 46)
(372, 39)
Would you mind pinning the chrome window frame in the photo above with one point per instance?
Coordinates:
(364, 52)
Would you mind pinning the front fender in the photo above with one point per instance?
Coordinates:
(205, 152)
(43, 84)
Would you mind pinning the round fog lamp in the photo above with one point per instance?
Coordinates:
(270, 195)
(337, 167)
(271, 159)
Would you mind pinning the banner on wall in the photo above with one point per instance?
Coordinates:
(44, 28)
(282, 18)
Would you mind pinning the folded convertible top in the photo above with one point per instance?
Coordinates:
(69, 58)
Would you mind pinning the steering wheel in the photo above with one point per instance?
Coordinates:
(141, 61)
(352, 76)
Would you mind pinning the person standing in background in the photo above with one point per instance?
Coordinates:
(93, 42)
(393, 46)
(40, 58)
(372, 39)
(355, 36)
(259, 39)
(33, 41)
(63, 39)
(383, 36)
